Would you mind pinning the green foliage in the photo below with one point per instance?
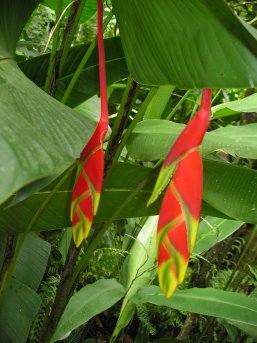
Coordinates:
(40, 138)
(160, 320)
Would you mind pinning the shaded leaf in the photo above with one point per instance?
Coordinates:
(206, 301)
(32, 261)
(39, 137)
(212, 231)
(136, 271)
(211, 46)
(121, 184)
(248, 104)
(20, 308)
(86, 303)
(151, 140)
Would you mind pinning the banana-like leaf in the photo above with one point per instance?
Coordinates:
(191, 44)
(207, 301)
(136, 272)
(122, 184)
(39, 137)
(19, 310)
(87, 303)
(151, 140)
(214, 230)
(247, 104)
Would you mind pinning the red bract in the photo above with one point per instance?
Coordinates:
(180, 209)
(88, 186)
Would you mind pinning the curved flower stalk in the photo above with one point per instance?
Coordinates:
(180, 209)
(88, 186)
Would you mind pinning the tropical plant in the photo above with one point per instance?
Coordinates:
(81, 190)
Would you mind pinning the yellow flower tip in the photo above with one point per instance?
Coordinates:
(96, 200)
(77, 234)
(167, 279)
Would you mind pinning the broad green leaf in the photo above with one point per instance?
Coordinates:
(20, 308)
(39, 137)
(137, 270)
(90, 108)
(32, 261)
(190, 44)
(206, 301)
(87, 303)
(88, 11)
(157, 105)
(231, 189)
(121, 185)
(248, 104)
(152, 140)
(88, 82)
(212, 231)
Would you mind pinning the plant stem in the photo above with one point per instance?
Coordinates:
(8, 256)
(62, 296)
(37, 214)
(138, 117)
(126, 105)
(83, 62)
(178, 104)
(61, 55)
(54, 47)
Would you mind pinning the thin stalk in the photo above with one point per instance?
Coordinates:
(178, 104)
(62, 297)
(8, 256)
(61, 55)
(128, 99)
(50, 70)
(37, 214)
(84, 61)
(138, 117)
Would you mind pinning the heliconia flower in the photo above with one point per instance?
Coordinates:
(88, 185)
(180, 209)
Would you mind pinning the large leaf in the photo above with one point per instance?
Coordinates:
(19, 310)
(121, 186)
(212, 231)
(87, 303)
(32, 261)
(231, 189)
(88, 81)
(198, 43)
(152, 139)
(38, 135)
(248, 104)
(207, 301)
(88, 11)
(137, 270)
